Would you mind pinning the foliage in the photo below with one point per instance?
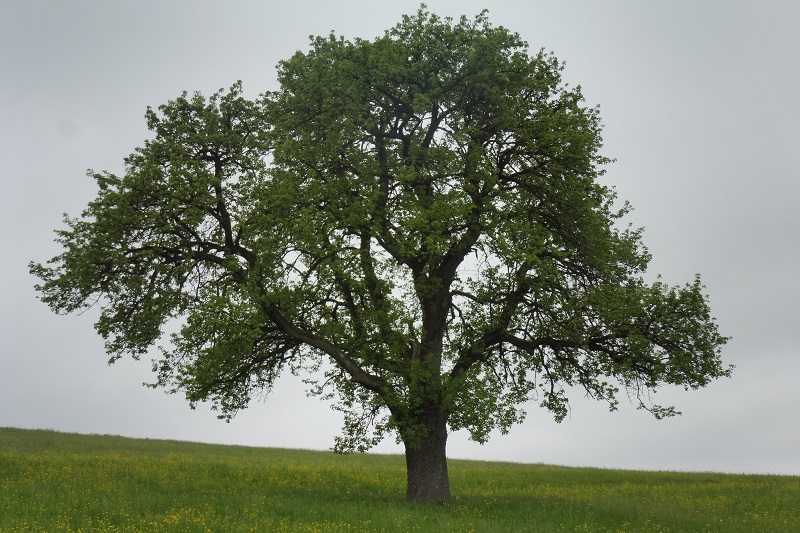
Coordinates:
(59, 482)
(419, 216)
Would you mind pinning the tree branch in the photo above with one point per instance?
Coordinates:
(372, 382)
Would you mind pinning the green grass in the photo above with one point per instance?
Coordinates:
(63, 482)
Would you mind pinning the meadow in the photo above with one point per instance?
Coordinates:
(59, 482)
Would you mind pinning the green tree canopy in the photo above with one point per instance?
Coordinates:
(416, 218)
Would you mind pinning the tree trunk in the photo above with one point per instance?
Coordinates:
(426, 461)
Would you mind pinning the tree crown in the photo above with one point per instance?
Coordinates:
(417, 216)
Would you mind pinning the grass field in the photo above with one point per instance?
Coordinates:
(55, 482)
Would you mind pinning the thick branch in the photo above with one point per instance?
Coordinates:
(223, 217)
(370, 381)
(476, 353)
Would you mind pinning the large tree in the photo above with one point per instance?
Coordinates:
(415, 220)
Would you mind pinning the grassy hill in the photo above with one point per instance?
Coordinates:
(55, 482)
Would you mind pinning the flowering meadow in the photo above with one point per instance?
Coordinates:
(59, 482)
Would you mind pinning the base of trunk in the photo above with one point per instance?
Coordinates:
(426, 465)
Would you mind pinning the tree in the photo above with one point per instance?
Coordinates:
(416, 218)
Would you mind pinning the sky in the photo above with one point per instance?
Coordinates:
(701, 112)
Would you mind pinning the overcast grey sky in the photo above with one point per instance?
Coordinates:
(700, 103)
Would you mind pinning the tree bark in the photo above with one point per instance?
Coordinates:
(426, 461)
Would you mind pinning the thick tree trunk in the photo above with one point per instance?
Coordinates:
(426, 462)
